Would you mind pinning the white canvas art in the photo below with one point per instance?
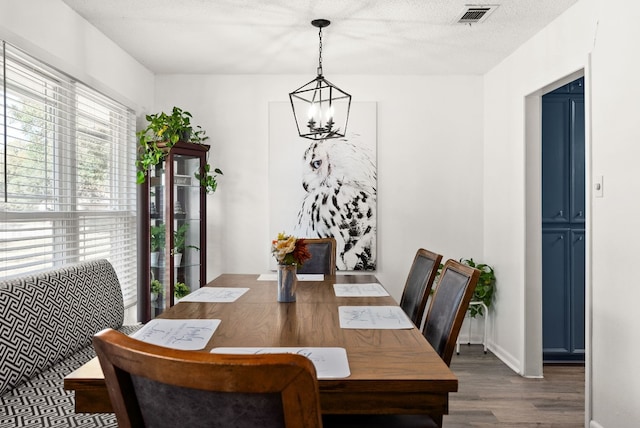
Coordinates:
(326, 188)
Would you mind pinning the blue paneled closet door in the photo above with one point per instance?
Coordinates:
(563, 221)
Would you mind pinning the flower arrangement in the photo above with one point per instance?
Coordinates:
(289, 250)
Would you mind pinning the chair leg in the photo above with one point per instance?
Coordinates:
(437, 420)
(484, 332)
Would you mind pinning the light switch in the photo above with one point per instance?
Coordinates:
(598, 186)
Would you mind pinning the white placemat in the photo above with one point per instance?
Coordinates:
(215, 294)
(301, 277)
(189, 334)
(374, 317)
(330, 363)
(372, 289)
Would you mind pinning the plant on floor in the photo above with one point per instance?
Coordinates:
(484, 289)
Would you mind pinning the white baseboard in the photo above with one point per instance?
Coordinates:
(512, 362)
(594, 424)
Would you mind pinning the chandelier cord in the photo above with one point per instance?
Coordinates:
(320, 52)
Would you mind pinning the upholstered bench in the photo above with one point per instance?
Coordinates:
(47, 322)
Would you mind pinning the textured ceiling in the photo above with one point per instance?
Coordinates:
(276, 37)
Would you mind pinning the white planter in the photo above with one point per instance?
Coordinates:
(155, 258)
(177, 259)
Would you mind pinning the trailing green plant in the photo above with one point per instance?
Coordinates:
(163, 131)
(208, 180)
(484, 289)
(158, 237)
(180, 290)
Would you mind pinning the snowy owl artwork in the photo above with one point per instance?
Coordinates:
(326, 188)
(339, 178)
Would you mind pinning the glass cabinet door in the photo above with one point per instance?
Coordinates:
(186, 244)
(157, 241)
(176, 225)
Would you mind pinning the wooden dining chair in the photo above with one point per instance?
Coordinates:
(449, 305)
(323, 256)
(154, 386)
(418, 286)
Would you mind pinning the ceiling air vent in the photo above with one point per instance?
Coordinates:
(474, 14)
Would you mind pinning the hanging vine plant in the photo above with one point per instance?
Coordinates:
(163, 131)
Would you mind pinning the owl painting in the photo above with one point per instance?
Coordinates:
(339, 177)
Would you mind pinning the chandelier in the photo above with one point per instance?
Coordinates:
(321, 109)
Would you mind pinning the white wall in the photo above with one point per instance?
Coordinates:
(429, 164)
(55, 34)
(616, 242)
(557, 51)
(608, 32)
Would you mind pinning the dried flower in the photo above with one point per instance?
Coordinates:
(289, 250)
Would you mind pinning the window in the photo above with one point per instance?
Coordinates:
(67, 173)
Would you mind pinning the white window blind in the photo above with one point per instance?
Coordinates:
(67, 173)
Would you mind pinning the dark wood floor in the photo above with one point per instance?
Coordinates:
(490, 394)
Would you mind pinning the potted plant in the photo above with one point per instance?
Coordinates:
(156, 289)
(180, 290)
(157, 233)
(484, 289)
(163, 131)
(179, 241)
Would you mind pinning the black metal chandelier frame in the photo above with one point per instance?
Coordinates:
(326, 106)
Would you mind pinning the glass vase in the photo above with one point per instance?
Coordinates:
(287, 283)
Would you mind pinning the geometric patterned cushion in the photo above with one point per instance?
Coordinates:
(42, 402)
(50, 316)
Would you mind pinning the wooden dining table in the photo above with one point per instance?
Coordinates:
(391, 371)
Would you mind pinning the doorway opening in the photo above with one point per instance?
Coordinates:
(533, 336)
(563, 224)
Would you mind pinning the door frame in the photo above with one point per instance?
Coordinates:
(532, 365)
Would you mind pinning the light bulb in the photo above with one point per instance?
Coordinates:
(330, 112)
(312, 111)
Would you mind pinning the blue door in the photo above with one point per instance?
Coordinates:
(563, 220)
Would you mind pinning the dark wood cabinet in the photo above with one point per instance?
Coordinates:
(172, 225)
